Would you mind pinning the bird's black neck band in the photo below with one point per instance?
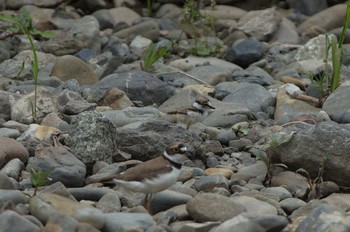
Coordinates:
(175, 164)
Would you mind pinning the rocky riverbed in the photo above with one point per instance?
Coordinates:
(272, 156)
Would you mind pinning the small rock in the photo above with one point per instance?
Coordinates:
(13, 168)
(127, 222)
(281, 192)
(65, 167)
(70, 67)
(46, 204)
(148, 29)
(253, 205)
(289, 205)
(245, 52)
(208, 183)
(109, 203)
(219, 171)
(221, 208)
(293, 182)
(258, 169)
(12, 221)
(167, 199)
(11, 149)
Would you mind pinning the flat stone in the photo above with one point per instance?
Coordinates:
(253, 205)
(46, 204)
(213, 207)
(289, 205)
(127, 222)
(148, 29)
(70, 67)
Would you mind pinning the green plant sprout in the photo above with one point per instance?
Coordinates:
(152, 55)
(197, 24)
(268, 150)
(329, 80)
(39, 178)
(24, 25)
(149, 7)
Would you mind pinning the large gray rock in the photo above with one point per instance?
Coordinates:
(337, 105)
(12, 221)
(46, 205)
(324, 217)
(22, 111)
(138, 86)
(70, 67)
(316, 24)
(253, 96)
(66, 168)
(159, 134)
(260, 24)
(79, 33)
(9, 68)
(92, 137)
(312, 145)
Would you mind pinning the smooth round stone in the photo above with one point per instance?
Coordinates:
(109, 203)
(139, 45)
(207, 183)
(5, 182)
(12, 221)
(92, 194)
(46, 204)
(257, 169)
(70, 67)
(213, 207)
(245, 52)
(193, 226)
(253, 205)
(11, 149)
(13, 195)
(181, 188)
(11, 133)
(291, 204)
(219, 171)
(167, 199)
(127, 222)
(188, 173)
(293, 182)
(280, 192)
(254, 186)
(13, 168)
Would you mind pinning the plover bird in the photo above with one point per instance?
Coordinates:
(154, 175)
(195, 113)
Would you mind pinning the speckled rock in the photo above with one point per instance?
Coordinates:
(92, 137)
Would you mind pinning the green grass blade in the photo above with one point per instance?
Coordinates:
(345, 27)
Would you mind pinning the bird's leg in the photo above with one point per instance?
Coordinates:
(148, 203)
